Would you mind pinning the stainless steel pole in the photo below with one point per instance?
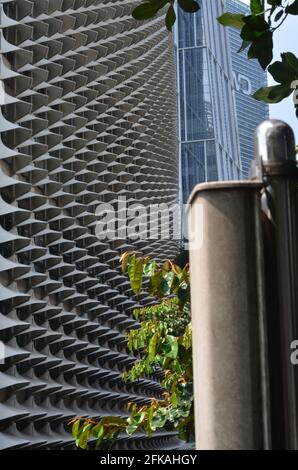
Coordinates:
(275, 163)
(227, 296)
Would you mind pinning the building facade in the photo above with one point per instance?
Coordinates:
(207, 121)
(248, 77)
(217, 115)
(88, 115)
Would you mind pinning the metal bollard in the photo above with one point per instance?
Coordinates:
(275, 163)
(227, 296)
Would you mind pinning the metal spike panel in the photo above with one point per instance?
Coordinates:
(87, 115)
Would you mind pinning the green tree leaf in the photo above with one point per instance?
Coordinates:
(148, 9)
(274, 3)
(189, 5)
(164, 287)
(256, 7)
(82, 439)
(262, 49)
(170, 347)
(272, 94)
(170, 18)
(152, 347)
(98, 431)
(154, 282)
(292, 61)
(282, 72)
(262, 94)
(244, 45)
(159, 418)
(280, 92)
(134, 422)
(149, 268)
(135, 273)
(256, 23)
(75, 428)
(234, 20)
(293, 8)
(187, 337)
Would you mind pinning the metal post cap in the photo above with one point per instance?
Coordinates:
(274, 142)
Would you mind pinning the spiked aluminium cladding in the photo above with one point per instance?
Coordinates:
(87, 114)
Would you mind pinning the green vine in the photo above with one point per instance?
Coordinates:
(164, 341)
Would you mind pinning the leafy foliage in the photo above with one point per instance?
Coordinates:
(163, 279)
(285, 73)
(257, 32)
(164, 340)
(108, 428)
(150, 8)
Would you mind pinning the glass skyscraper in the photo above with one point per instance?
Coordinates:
(214, 84)
(208, 138)
(248, 77)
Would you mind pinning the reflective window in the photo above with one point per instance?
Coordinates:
(195, 100)
(193, 166)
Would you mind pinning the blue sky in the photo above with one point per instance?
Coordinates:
(285, 40)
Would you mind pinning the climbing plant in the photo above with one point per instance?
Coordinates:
(257, 32)
(163, 340)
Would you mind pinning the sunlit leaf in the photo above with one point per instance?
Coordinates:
(273, 94)
(170, 346)
(75, 428)
(256, 6)
(152, 347)
(135, 273)
(234, 20)
(135, 422)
